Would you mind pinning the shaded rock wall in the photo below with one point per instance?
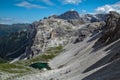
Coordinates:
(111, 30)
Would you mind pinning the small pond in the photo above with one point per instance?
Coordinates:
(40, 65)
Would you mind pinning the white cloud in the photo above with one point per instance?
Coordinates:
(107, 8)
(72, 1)
(26, 4)
(8, 20)
(83, 11)
(48, 2)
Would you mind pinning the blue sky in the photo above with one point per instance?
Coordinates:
(27, 11)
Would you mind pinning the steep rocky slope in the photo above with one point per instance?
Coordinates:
(14, 39)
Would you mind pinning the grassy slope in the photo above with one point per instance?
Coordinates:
(45, 57)
(22, 67)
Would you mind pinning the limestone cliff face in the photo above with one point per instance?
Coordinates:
(51, 33)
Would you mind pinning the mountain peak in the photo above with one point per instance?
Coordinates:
(71, 14)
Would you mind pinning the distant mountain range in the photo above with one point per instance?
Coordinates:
(73, 15)
(7, 29)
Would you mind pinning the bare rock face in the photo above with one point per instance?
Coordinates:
(112, 28)
(51, 33)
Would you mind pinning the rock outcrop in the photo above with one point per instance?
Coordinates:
(111, 30)
(50, 33)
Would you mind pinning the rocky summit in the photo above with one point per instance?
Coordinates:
(69, 46)
(70, 15)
